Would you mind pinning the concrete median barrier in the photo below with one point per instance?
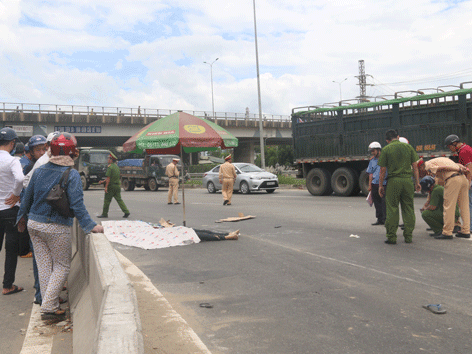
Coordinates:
(103, 302)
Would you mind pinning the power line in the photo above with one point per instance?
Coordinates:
(441, 77)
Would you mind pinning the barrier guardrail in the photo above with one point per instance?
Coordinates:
(10, 107)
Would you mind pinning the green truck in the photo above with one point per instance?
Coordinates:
(331, 143)
(148, 172)
(92, 165)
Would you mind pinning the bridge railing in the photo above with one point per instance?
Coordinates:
(87, 111)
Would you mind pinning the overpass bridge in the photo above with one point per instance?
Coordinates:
(111, 126)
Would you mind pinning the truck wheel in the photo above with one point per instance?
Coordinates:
(344, 181)
(127, 185)
(146, 187)
(85, 184)
(364, 182)
(318, 182)
(153, 185)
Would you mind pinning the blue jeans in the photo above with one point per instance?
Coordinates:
(37, 294)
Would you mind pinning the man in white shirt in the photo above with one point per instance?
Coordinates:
(11, 184)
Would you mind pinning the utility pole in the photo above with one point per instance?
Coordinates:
(261, 138)
(211, 75)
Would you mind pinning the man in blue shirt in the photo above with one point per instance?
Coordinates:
(374, 174)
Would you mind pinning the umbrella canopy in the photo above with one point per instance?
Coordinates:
(167, 135)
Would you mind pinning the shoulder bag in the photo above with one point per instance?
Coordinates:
(57, 197)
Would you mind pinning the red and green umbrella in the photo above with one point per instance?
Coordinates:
(180, 130)
(177, 132)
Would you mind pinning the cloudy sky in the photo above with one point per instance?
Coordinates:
(151, 52)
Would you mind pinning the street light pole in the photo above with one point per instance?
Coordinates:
(340, 94)
(261, 138)
(211, 75)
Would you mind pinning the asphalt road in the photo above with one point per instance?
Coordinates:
(296, 282)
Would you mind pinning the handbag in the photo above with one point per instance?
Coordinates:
(57, 197)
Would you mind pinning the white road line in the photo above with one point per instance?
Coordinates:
(357, 265)
(36, 340)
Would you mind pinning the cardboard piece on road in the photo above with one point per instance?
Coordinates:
(166, 223)
(237, 218)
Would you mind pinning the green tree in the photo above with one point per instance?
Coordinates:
(281, 154)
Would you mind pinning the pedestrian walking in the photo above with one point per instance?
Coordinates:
(113, 188)
(455, 178)
(49, 230)
(401, 162)
(173, 173)
(465, 158)
(11, 184)
(227, 176)
(374, 175)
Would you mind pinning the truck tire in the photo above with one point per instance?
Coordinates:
(146, 187)
(344, 181)
(85, 184)
(364, 182)
(152, 183)
(318, 182)
(127, 185)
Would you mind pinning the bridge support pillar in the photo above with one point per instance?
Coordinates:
(244, 152)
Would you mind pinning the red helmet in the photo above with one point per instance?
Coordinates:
(63, 144)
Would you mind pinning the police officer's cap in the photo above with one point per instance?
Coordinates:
(112, 156)
(8, 134)
(426, 183)
(451, 139)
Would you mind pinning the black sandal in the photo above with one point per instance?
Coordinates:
(59, 314)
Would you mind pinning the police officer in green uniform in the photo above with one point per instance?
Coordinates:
(400, 161)
(113, 187)
(432, 212)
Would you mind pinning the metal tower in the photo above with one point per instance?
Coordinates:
(362, 82)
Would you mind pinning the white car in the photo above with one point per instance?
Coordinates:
(250, 178)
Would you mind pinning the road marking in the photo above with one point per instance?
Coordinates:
(357, 265)
(36, 342)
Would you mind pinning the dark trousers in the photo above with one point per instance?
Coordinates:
(206, 235)
(379, 203)
(7, 221)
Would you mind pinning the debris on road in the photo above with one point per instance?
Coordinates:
(354, 236)
(437, 309)
(236, 218)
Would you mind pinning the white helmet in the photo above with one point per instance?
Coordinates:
(52, 135)
(375, 145)
(403, 140)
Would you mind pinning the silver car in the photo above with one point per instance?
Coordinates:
(250, 178)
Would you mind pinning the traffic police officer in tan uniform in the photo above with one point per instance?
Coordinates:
(227, 176)
(455, 178)
(173, 173)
